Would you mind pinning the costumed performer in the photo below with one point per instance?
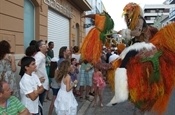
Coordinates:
(150, 87)
(134, 33)
(92, 45)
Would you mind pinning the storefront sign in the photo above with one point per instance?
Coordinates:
(65, 10)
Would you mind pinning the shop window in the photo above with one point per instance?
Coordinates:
(29, 22)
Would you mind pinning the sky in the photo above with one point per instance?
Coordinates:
(115, 9)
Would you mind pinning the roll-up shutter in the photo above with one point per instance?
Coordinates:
(58, 30)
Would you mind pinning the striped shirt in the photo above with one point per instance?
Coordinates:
(14, 107)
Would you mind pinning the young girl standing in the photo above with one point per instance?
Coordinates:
(65, 103)
(98, 84)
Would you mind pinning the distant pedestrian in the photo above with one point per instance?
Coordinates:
(49, 56)
(48, 62)
(65, 103)
(98, 84)
(50, 52)
(33, 43)
(76, 54)
(30, 51)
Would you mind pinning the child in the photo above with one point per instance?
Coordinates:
(65, 102)
(30, 85)
(73, 73)
(74, 69)
(99, 85)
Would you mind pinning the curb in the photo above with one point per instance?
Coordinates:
(85, 106)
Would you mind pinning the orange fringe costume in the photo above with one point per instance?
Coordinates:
(150, 71)
(93, 42)
(149, 87)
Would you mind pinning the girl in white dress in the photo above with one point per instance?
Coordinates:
(65, 103)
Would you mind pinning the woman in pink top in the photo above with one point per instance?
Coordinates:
(98, 84)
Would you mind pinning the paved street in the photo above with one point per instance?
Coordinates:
(125, 108)
(81, 105)
(85, 107)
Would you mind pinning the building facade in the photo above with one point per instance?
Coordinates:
(97, 8)
(154, 13)
(53, 20)
(172, 10)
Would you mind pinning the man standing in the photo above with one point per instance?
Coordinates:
(10, 105)
(40, 60)
(50, 52)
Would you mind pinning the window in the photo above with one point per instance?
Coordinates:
(29, 22)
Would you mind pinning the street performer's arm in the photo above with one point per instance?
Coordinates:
(138, 29)
(127, 33)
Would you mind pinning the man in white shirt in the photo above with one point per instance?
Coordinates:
(40, 60)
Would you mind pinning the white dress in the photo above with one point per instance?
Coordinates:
(65, 103)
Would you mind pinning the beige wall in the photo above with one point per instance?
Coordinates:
(76, 19)
(11, 22)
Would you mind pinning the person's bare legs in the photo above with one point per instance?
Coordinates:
(81, 91)
(52, 105)
(91, 92)
(47, 95)
(95, 96)
(100, 91)
(87, 91)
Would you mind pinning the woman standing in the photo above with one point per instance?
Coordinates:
(8, 66)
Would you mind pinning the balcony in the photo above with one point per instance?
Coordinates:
(155, 14)
(82, 4)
